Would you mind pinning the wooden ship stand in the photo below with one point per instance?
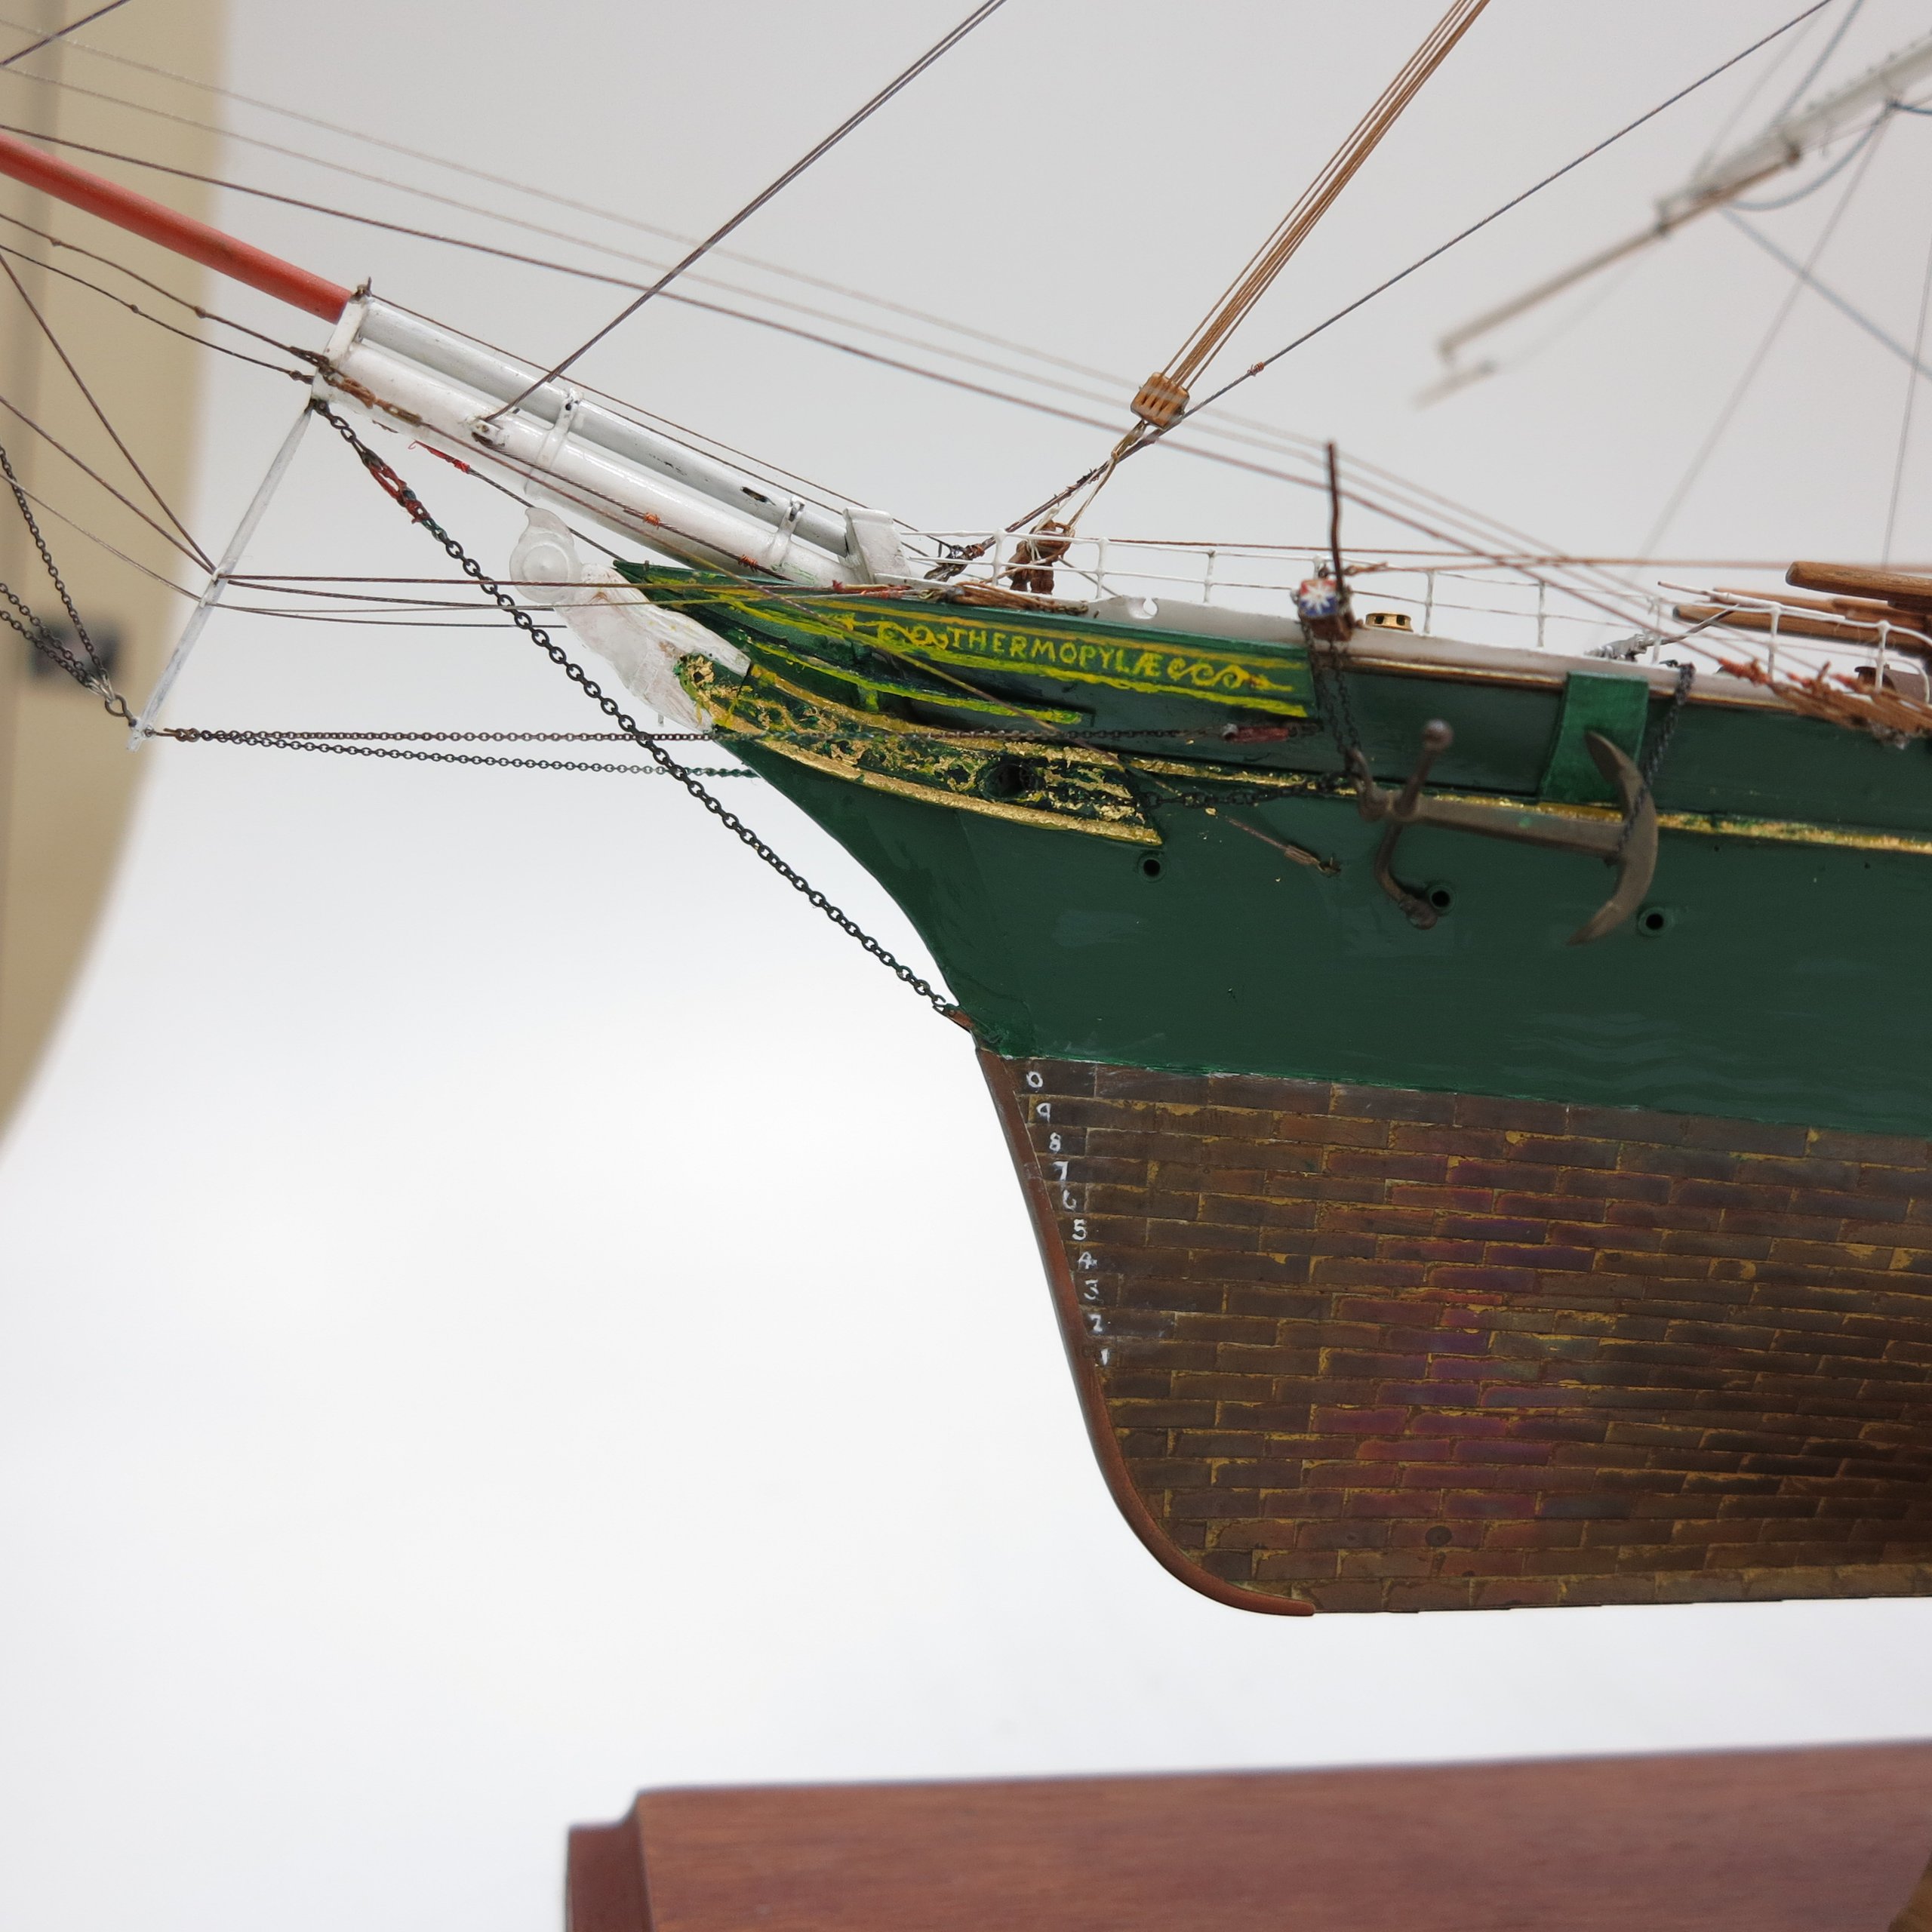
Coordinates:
(1810, 1841)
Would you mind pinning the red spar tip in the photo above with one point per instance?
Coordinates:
(180, 233)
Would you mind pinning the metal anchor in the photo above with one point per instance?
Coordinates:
(1629, 842)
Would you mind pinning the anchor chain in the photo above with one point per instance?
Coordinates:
(91, 674)
(393, 486)
(1654, 763)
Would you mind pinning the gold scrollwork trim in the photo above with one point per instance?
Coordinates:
(1737, 824)
(1076, 789)
(1123, 830)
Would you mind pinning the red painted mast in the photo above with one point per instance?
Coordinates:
(180, 233)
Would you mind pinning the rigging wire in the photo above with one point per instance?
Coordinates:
(1869, 134)
(1608, 287)
(61, 33)
(1435, 254)
(345, 747)
(412, 505)
(134, 274)
(80, 529)
(1823, 61)
(1262, 434)
(1831, 295)
(160, 322)
(620, 218)
(1688, 481)
(200, 555)
(319, 207)
(160, 530)
(1265, 435)
(1404, 515)
(942, 47)
(1238, 300)
(1487, 531)
(1770, 72)
(1905, 420)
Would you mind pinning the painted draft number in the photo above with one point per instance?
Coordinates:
(1086, 1263)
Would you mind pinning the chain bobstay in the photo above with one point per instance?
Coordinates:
(89, 670)
(393, 486)
(353, 745)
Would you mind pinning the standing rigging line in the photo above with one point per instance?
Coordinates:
(1799, 283)
(317, 207)
(200, 555)
(1726, 128)
(61, 33)
(1904, 420)
(195, 309)
(127, 502)
(942, 46)
(1228, 426)
(399, 492)
(1823, 61)
(1824, 290)
(135, 309)
(1165, 395)
(1818, 181)
(1158, 435)
(620, 217)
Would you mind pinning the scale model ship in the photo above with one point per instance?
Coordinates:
(1472, 1165)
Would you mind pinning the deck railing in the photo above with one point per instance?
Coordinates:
(1521, 603)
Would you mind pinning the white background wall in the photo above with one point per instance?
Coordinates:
(500, 1304)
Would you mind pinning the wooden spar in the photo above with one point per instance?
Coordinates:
(1906, 629)
(1905, 587)
(1844, 607)
(181, 234)
(1666, 224)
(1781, 146)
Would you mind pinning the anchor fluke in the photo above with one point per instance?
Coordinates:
(1629, 842)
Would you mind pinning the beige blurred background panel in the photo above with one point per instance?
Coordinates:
(67, 779)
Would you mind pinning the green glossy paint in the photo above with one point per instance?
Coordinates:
(1776, 981)
(1617, 707)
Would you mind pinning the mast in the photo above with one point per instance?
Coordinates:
(494, 410)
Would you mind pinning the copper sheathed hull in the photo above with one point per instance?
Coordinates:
(1368, 1349)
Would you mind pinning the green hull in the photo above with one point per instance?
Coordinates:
(1461, 1267)
(1794, 886)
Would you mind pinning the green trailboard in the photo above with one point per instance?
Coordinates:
(1124, 910)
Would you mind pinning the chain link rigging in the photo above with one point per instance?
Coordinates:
(347, 746)
(394, 487)
(89, 670)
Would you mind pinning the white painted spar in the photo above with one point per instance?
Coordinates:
(1783, 144)
(635, 482)
(230, 558)
(1789, 139)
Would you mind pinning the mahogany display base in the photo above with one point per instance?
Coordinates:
(1354, 1349)
(1814, 1840)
